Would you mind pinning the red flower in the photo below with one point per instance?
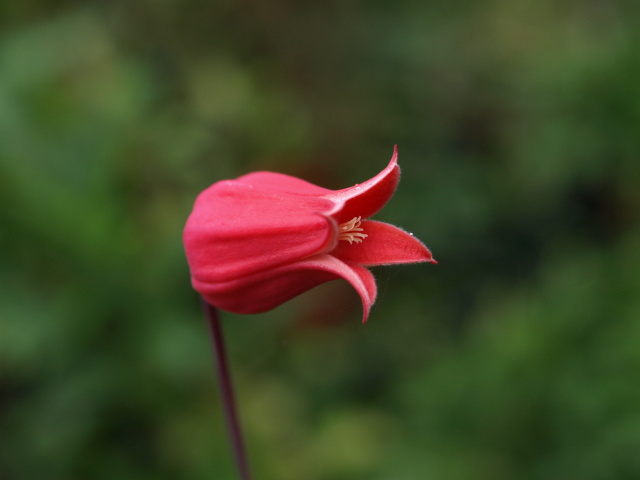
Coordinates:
(255, 242)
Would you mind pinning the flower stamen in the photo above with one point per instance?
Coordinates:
(351, 231)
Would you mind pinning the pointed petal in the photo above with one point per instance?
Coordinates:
(368, 198)
(384, 245)
(278, 182)
(235, 229)
(268, 289)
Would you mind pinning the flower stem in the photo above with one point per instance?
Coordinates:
(226, 391)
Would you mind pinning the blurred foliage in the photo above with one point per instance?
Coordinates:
(518, 123)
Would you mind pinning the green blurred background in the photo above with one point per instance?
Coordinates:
(518, 125)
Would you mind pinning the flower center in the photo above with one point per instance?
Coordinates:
(351, 231)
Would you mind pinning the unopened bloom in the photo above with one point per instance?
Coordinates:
(257, 241)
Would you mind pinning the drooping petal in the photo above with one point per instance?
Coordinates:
(368, 198)
(384, 245)
(236, 230)
(265, 290)
(279, 182)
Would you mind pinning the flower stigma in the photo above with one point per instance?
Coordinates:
(351, 231)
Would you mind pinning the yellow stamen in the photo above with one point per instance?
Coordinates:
(351, 231)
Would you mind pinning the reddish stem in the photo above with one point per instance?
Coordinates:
(226, 391)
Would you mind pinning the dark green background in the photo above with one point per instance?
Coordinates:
(518, 125)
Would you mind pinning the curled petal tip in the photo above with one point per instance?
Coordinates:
(367, 198)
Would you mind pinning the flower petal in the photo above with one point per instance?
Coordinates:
(270, 288)
(384, 245)
(278, 182)
(368, 198)
(235, 230)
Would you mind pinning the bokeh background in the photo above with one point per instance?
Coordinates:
(518, 125)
